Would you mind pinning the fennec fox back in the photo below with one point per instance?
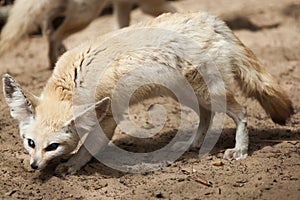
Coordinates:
(47, 122)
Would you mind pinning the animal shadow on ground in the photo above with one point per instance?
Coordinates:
(259, 138)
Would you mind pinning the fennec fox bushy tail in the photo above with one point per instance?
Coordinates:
(75, 15)
(47, 122)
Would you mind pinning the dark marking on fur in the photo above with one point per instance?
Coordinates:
(217, 31)
(28, 103)
(9, 91)
(57, 22)
(75, 77)
(99, 51)
(90, 61)
(81, 62)
(9, 86)
(85, 61)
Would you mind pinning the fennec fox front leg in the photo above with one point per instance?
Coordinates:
(95, 144)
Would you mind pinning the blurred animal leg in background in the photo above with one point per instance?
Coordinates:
(121, 12)
(156, 7)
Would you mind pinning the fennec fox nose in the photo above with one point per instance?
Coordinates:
(34, 166)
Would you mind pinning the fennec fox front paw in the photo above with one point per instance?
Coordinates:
(235, 154)
(68, 168)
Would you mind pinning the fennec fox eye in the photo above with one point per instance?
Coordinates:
(52, 147)
(31, 143)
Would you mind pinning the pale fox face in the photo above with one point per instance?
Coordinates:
(46, 127)
(44, 144)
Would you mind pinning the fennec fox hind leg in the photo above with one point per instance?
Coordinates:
(238, 114)
(235, 111)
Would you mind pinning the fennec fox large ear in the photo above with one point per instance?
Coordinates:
(85, 121)
(21, 105)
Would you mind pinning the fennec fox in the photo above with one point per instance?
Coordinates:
(47, 122)
(72, 15)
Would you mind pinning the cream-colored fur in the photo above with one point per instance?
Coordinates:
(159, 48)
(27, 15)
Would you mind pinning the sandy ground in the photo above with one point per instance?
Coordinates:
(272, 171)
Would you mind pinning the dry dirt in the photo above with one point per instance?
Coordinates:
(272, 171)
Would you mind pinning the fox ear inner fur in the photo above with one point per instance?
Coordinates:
(21, 105)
